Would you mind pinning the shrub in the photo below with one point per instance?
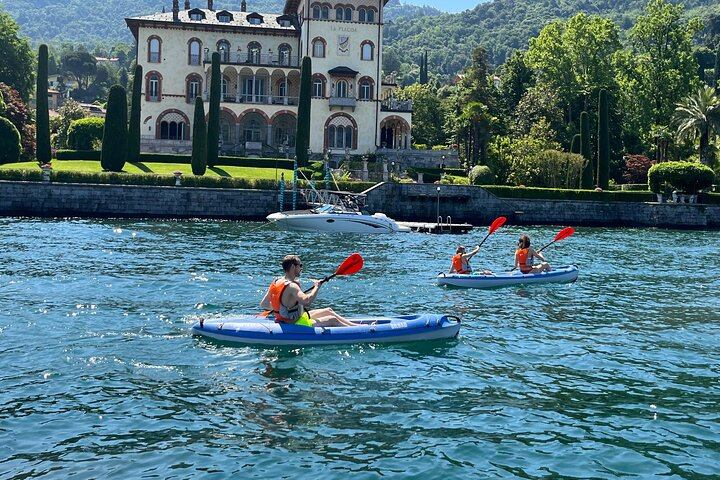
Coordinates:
(198, 160)
(10, 145)
(453, 180)
(84, 132)
(78, 155)
(481, 175)
(636, 168)
(686, 177)
(114, 143)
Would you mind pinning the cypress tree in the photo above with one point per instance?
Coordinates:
(213, 127)
(115, 143)
(603, 149)
(717, 67)
(575, 144)
(134, 129)
(42, 129)
(587, 181)
(199, 140)
(302, 138)
(423, 68)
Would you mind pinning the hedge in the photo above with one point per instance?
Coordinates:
(562, 194)
(182, 159)
(688, 177)
(84, 131)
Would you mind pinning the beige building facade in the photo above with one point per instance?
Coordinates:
(353, 111)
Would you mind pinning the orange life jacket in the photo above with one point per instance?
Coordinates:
(276, 290)
(459, 265)
(522, 257)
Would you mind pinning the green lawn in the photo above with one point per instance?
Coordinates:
(159, 168)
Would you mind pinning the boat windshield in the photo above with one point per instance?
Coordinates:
(324, 209)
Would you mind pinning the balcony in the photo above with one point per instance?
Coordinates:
(254, 99)
(394, 105)
(343, 102)
(255, 59)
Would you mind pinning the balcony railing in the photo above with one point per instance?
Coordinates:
(343, 102)
(255, 99)
(394, 105)
(260, 59)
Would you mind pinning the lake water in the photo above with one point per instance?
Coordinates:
(615, 375)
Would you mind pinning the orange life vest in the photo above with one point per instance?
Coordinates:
(459, 265)
(522, 257)
(276, 290)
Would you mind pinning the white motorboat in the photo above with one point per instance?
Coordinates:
(335, 219)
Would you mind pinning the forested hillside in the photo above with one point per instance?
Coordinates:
(500, 27)
(94, 22)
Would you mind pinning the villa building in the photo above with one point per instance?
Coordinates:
(353, 111)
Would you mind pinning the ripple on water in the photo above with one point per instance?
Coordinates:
(614, 375)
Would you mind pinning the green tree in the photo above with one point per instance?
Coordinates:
(18, 113)
(18, 63)
(575, 144)
(115, 143)
(575, 58)
(603, 143)
(81, 65)
(516, 77)
(10, 145)
(661, 69)
(717, 66)
(427, 113)
(213, 135)
(42, 125)
(69, 112)
(133, 154)
(85, 132)
(587, 180)
(698, 116)
(198, 159)
(302, 138)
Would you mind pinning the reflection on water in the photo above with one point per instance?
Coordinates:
(614, 375)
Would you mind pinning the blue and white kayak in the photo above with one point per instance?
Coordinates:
(256, 330)
(563, 274)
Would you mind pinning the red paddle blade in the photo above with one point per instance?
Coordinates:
(564, 233)
(351, 265)
(497, 224)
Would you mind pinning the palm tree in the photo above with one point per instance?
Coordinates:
(699, 115)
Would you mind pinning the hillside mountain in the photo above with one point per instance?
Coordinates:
(101, 22)
(502, 26)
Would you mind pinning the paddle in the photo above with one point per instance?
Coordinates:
(497, 223)
(352, 264)
(562, 234)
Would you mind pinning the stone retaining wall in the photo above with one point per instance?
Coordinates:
(410, 202)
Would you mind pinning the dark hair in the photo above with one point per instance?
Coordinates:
(290, 261)
(524, 241)
(459, 249)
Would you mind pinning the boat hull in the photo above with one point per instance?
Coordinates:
(254, 330)
(563, 274)
(335, 222)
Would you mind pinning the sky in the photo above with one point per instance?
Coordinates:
(452, 6)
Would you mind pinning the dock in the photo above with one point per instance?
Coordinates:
(426, 227)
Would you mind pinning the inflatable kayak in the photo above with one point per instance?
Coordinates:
(263, 331)
(563, 274)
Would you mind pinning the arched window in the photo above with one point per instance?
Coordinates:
(343, 13)
(340, 137)
(284, 54)
(193, 87)
(318, 86)
(173, 126)
(318, 48)
(366, 15)
(154, 49)
(194, 48)
(153, 87)
(366, 89)
(316, 11)
(367, 50)
(342, 89)
(254, 49)
(224, 88)
(348, 14)
(370, 17)
(223, 46)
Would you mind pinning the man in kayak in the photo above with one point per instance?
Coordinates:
(461, 261)
(288, 302)
(524, 256)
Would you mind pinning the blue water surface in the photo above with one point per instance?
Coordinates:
(613, 376)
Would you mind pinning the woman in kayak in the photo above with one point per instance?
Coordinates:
(461, 261)
(288, 302)
(524, 256)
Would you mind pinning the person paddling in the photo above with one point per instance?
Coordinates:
(288, 302)
(524, 256)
